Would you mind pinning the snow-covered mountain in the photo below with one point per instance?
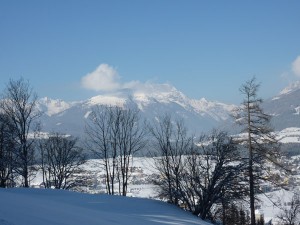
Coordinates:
(153, 100)
(52, 107)
(285, 107)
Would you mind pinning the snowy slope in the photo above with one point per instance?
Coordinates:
(58, 207)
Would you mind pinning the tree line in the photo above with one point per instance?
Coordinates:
(22, 148)
(208, 175)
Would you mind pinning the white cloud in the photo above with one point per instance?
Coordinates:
(296, 66)
(104, 78)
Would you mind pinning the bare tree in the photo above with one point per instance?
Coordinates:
(102, 136)
(171, 143)
(115, 135)
(261, 143)
(19, 106)
(212, 174)
(6, 152)
(61, 159)
(196, 176)
(131, 139)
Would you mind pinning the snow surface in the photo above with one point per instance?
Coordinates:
(297, 109)
(289, 135)
(22, 206)
(272, 202)
(107, 100)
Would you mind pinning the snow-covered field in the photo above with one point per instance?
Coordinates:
(60, 207)
(141, 185)
(21, 206)
(141, 179)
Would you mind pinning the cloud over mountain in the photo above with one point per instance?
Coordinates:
(104, 78)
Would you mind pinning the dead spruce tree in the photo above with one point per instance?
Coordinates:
(260, 143)
(61, 158)
(115, 134)
(19, 106)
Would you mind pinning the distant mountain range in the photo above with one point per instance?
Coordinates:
(155, 100)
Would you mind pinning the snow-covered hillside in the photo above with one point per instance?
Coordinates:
(57, 207)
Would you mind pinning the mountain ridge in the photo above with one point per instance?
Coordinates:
(154, 100)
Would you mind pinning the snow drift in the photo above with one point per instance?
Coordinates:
(21, 206)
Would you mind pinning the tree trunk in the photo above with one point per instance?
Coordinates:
(25, 172)
(26, 182)
(251, 182)
(3, 183)
(251, 178)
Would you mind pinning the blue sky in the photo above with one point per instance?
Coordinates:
(203, 48)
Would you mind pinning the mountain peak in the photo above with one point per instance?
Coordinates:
(292, 87)
(107, 100)
(156, 90)
(51, 106)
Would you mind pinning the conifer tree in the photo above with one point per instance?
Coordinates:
(259, 141)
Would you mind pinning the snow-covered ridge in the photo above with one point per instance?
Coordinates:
(217, 110)
(106, 100)
(143, 97)
(288, 90)
(165, 93)
(292, 87)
